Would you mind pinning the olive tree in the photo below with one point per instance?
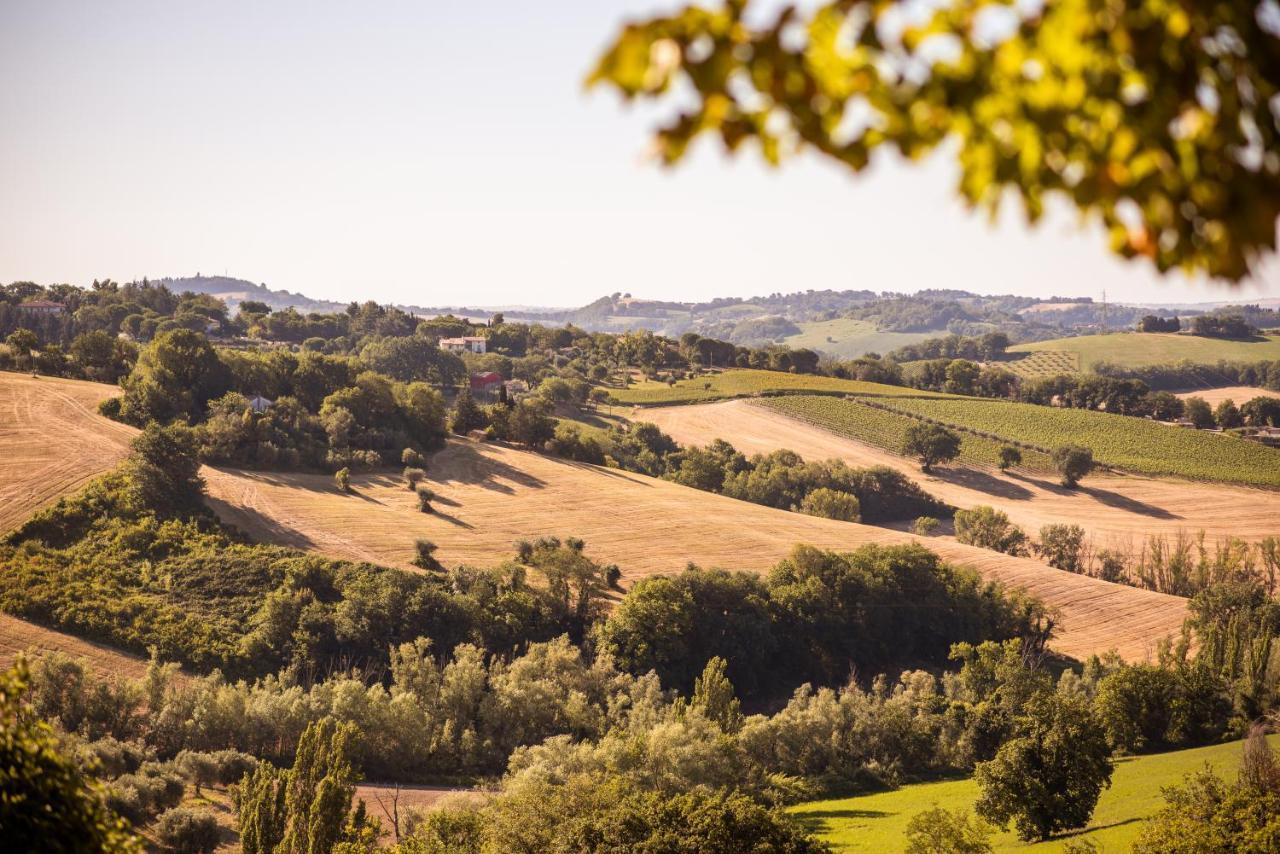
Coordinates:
(1073, 463)
(932, 443)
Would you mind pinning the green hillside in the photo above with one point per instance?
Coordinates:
(1134, 349)
(878, 822)
(744, 383)
(847, 338)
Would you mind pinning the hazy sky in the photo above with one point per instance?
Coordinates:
(446, 153)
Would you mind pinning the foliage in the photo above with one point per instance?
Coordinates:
(1072, 462)
(46, 802)
(1133, 113)
(1062, 547)
(989, 528)
(342, 479)
(831, 504)
(1049, 776)
(941, 831)
(1209, 814)
(926, 526)
(1009, 457)
(930, 443)
(185, 830)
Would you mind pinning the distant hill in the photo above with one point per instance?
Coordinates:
(235, 291)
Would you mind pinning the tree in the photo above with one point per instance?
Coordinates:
(831, 504)
(1197, 411)
(425, 497)
(164, 470)
(1062, 546)
(941, 831)
(342, 479)
(306, 808)
(46, 802)
(466, 415)
(989, 528)
(1009, 457)
(961, 376)
(713, 694)
(1261, 412)
(425, 555)
(176, 376)
(1072, 462)
(1227, 415)
(21, 342)
(1131, 112)
(932, 443)
(1048, 777)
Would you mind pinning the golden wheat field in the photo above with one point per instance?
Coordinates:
(1116, 510)
(490, 496)
(1236, 393)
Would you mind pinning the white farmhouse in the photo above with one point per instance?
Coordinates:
(472, 343)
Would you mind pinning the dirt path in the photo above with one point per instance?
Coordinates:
(490, 496)
(1115, 510)
(52, 440)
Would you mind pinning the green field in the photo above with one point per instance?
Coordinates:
(847, 338)
(1044, 363)
(887, 429)
(1134, 349)
(878, 822)
(744, 383)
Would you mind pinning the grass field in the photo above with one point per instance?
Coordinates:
(490, 496)
(1237, 393)
(878, 822)
(1133, 349)
(847, 338)
(1117, 511)
(745, 383)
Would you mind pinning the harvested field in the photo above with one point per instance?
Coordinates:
(1112, 508)
(1237, 393)
(490, 496)
(21, 636)
(53, 439)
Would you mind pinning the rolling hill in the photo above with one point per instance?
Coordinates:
(491, 495)
(1112, 508)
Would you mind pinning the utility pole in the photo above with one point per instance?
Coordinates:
(1104, 309)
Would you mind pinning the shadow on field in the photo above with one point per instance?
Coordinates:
(462, 463)
(258, 527)
(1123, 502)
(983, 482)
(821, 821)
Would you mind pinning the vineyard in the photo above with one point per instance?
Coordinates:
(1134, 349)
(745, 383)
(885, 429)
(1130, 444)
(1044, 363)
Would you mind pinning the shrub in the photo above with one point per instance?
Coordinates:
(941, 831)
(1062, 547)
(1113, 566)
(110, 408)
(342, 479)
(1009, 457)
(425, 497)
(1072, 462)
(831, 504)
(926, 526)
(989, 528)
(411, 457)
(413, 476)
(612, 575)
(188, 831)
(425, 555)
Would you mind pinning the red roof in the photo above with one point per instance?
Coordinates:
(488, 378)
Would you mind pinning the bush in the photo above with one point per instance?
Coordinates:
(612, 575)
(425, 497)
(1009, 457)
(926, 526)
(940, 831)
(342, 479)
(110, 408)
(184, 830)
(831, 504)
(425, 555)
(989, 528)
(413, 476)
(1072, 462)
(410, 457)
(1062, 547)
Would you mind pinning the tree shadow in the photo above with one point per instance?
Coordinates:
(1132, 505)
(470, 467)
(257, 526)
(1093, 828)
(452, 520)
(981, 481)
(822, 821)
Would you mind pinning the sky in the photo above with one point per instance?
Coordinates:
(446, 153)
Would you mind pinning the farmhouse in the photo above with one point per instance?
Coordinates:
(260, 404)
(42, 306)
(472, 343)
(486, 383)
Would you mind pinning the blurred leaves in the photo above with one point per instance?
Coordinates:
(1161, 117)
